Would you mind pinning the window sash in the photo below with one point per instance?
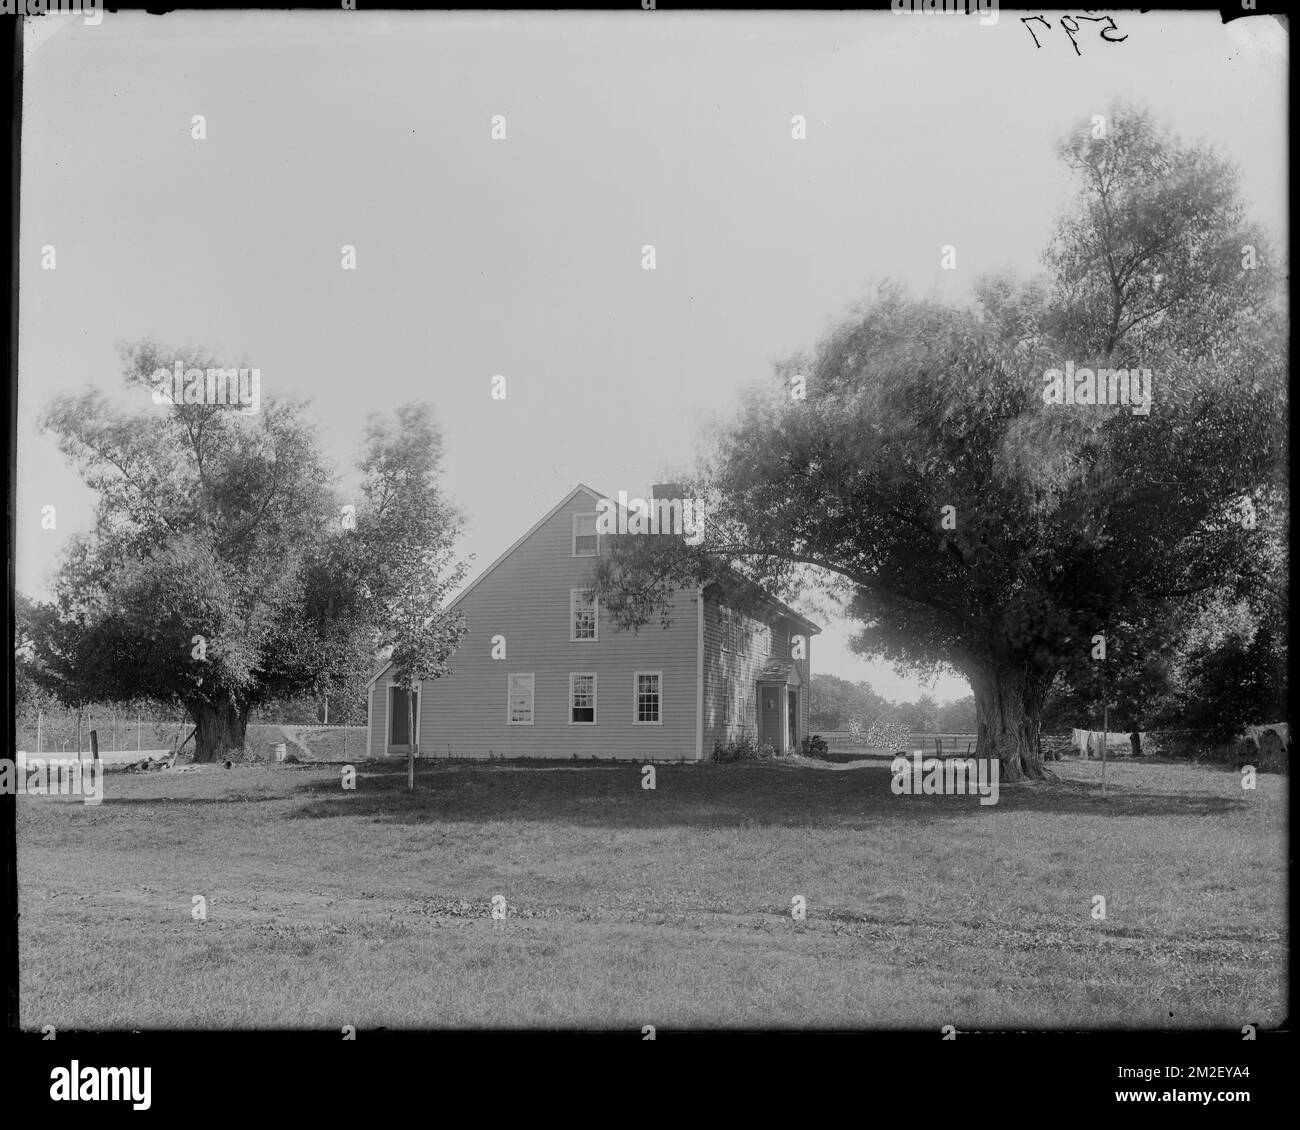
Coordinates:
(582, 698)
(586, 541)
(520, 699)
(584, 616)
(647, 698)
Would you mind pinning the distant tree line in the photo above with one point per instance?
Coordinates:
(834, 702)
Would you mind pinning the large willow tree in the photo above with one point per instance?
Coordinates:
(223, 571)
(913, 468)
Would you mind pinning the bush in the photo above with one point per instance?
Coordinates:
(1274, 753)
(738, 749)
(1268, 755)
(814, 746)
(743, 748)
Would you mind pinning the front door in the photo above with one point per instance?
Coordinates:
(794, 719)
(769, 715)
(399, 721)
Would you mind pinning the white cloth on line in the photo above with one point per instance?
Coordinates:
(1089, 742)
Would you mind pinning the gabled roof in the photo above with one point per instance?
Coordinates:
(483, 576)
(596, 496)
(579, 489)
(778, 670)
(729, 578)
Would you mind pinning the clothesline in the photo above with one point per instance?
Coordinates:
(1090, 741)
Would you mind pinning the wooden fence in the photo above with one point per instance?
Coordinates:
(839, 741)
(1055, 746)
(119, 733)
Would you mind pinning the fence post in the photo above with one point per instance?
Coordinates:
(1105, 736)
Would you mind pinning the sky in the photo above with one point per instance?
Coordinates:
(522, 256)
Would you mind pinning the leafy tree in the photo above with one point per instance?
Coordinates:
(26, 690)
(833, 702)
(924, 479)
(1231, 667)
(1231, 670)
(921, 716)
(958, 717)
(1130, 689)
(220, 573)
(410, 528)
(1216, 662)
(1244, 679)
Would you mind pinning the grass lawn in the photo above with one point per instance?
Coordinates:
(669, 907)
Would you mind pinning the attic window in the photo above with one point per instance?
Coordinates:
(586, 542)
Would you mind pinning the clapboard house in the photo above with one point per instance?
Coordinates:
(567, 683)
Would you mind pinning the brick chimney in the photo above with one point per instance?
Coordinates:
(673, 519)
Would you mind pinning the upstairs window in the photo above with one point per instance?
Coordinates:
(586, 542)
(584, 619)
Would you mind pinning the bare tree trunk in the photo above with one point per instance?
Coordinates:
(410, 739)
(1009, 706)
(1105, 736)
(218, 730)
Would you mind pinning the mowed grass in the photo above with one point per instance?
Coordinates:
(670, 907)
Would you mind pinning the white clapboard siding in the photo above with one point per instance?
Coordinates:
(525, 598)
